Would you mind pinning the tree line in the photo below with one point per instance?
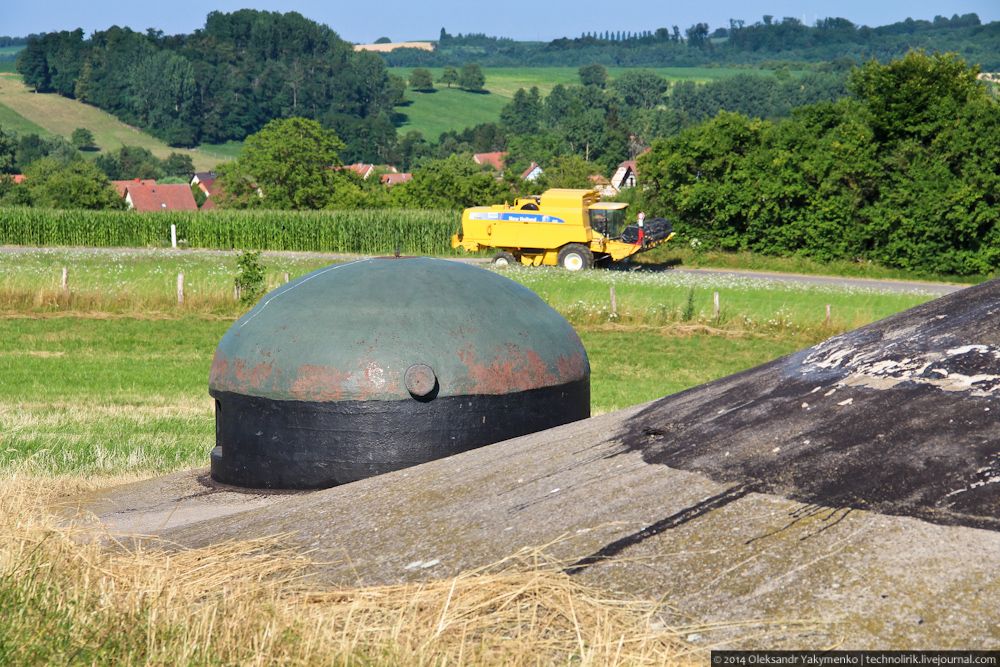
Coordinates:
(224, 81)
(904, 172)
(770, 39)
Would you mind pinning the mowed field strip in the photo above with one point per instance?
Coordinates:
(60, 115)
(453, 109)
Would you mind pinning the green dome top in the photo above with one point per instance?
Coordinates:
(353, 331)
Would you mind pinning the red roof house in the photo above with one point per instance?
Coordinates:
(390, 180)
(494, 159)
(361, 169)
(146, 196)
(122, 186)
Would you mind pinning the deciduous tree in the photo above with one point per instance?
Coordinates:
(471, 78)
(593, 75)
(420, 79)
(79, 184)
(523, 114)
(83, 139)
(641, 88)
(452, 183)
(292, 162)
(449, 75)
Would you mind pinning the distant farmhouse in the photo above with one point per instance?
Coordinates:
(494, 159)
(148, 195)
(532, 172)
(390, 180)
(624, 176)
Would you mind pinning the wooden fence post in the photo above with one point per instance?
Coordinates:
(827, 314)
(286, 276)
(180, 288)
(173, 236)
(64, 283)
(715, 305)
(614, 303)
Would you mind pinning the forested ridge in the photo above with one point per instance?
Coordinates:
(224, 81)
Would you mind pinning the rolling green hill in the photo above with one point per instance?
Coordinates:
(454, 109)
(24, 111)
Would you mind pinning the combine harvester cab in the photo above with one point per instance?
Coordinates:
(562, 227)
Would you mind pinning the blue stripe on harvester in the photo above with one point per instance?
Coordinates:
(516, 216)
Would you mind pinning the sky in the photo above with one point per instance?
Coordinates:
(401, 20)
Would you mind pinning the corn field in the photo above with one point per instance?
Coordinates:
(360, 231)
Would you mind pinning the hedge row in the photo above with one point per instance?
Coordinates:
(359, 231)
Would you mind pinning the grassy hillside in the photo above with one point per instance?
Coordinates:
(25, 111)
(453, 109)
(10, 120)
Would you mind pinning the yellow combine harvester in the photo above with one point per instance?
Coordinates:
(568, 228)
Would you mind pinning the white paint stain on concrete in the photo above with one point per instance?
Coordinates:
(881, 369)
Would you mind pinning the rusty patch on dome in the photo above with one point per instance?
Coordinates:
(319, 383)
(515, 369)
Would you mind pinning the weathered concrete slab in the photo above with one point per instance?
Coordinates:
(853, 485)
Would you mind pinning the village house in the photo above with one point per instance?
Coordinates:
(532, 172)
(205, 181)
(392, 179)
(625, 176)
(149, 195)
(361, 169)
(208, 183)
(122, 186)
(494, 159)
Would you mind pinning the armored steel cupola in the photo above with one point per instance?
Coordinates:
(363, 368)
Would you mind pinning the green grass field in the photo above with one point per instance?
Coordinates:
(11, 121)
(227, 151)
(59, 115)
(113, 378)
(447, 109)
(454, 109)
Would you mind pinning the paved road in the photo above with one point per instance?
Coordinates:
(795, 278)
(866, 283)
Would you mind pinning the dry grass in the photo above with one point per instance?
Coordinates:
(95, 304)
(70, 600)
